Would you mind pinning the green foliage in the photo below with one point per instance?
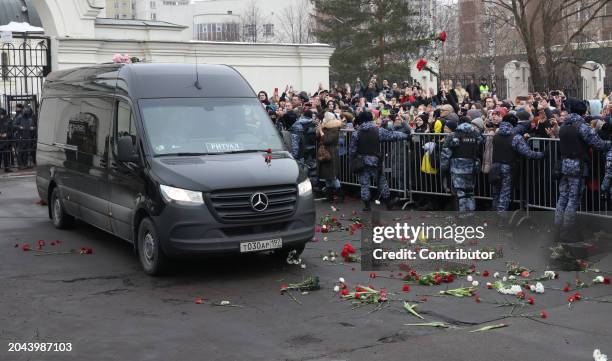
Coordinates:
(370, 36)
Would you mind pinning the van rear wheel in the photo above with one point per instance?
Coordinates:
(152, 258)
(59, 217)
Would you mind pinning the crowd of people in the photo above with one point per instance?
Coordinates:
(482, 134)
(17, 139)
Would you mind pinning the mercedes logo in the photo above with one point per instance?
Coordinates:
(259, 202)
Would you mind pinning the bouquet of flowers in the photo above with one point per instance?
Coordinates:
(422, 65)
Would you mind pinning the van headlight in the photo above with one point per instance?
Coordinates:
(305, 188)
(181, 196)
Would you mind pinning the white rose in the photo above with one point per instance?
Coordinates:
(598, 279)
(341, 280)
(336, 288)
(496, 275)
(475, 283)
(539, 288)
(470, 278)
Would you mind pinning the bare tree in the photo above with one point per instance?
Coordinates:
(296, 23)
(550, 30)
(251, 20)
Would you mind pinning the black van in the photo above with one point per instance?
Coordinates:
(171, 157)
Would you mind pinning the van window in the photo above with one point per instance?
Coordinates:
(124, 123)
(67, 130)
(96, 118)
(208, 125)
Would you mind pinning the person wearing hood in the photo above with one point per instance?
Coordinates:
(508, 147)
(365, 157)
(328, 161)
(575, 138)
(303, 143)
(461, 157)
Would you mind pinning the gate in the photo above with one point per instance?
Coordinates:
(24, 63)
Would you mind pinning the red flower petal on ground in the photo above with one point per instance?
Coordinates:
(442, 36)
(372, 274)
(571, 299)
(485, 274)
(26, 247)
(344, 292)
(531, 300)
(198, 300)
(577, 296)
(566, 288)
(606, 281)
(543, 314)
(421, 64)
(41, 243)
(406, 288)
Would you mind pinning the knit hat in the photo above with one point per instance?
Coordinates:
(474, 113)
(478, 123)
(452, 125)
(522, 115)
(501, 111)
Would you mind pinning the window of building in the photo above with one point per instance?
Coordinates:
(153, 16)
(217, 32)
(268, 30)
(152, 4)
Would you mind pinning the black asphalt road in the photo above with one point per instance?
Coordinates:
(109, 310)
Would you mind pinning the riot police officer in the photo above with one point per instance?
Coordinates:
(364, 154)
(575, 137)
(461, 157)
(508, 146)
(5, 136)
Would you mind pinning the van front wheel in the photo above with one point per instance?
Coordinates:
(152, 258)
(59, 217)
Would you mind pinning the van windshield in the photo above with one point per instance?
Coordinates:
(197, 126)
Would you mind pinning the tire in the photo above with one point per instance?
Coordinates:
(57, 212)
(152, 258)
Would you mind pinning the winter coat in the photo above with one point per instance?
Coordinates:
(329, 170)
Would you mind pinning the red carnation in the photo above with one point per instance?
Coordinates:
(344, 292)
(442, 36)
(406, 288)
(372, 274)
(606, 281)
(521, 295)
(26, 247)
(198, 300)
(531, 300)
(420, 65)
(86, 250)
(485, 274)
(543, 314)
(269, 150)
(566, 288)
(577, 296)
(357, 295)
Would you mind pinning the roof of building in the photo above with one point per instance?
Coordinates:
(136, 22)
(12, 10)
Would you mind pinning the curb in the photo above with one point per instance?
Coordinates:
(16, 175)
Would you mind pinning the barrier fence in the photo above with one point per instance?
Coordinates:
(534, 186)
(17, 153)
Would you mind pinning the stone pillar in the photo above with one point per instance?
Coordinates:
(517, 75)
(424, 77)
(592, 75)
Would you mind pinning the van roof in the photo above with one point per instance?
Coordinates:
(152, 80)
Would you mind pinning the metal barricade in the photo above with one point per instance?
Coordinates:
(17, 153)
(394, 155)
(543, 189)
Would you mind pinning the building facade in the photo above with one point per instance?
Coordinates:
(119, 9)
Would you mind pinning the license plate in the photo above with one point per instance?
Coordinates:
(261, 245)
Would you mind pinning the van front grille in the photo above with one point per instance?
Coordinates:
(234, 205)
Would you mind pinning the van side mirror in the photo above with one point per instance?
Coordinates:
(126, 150)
